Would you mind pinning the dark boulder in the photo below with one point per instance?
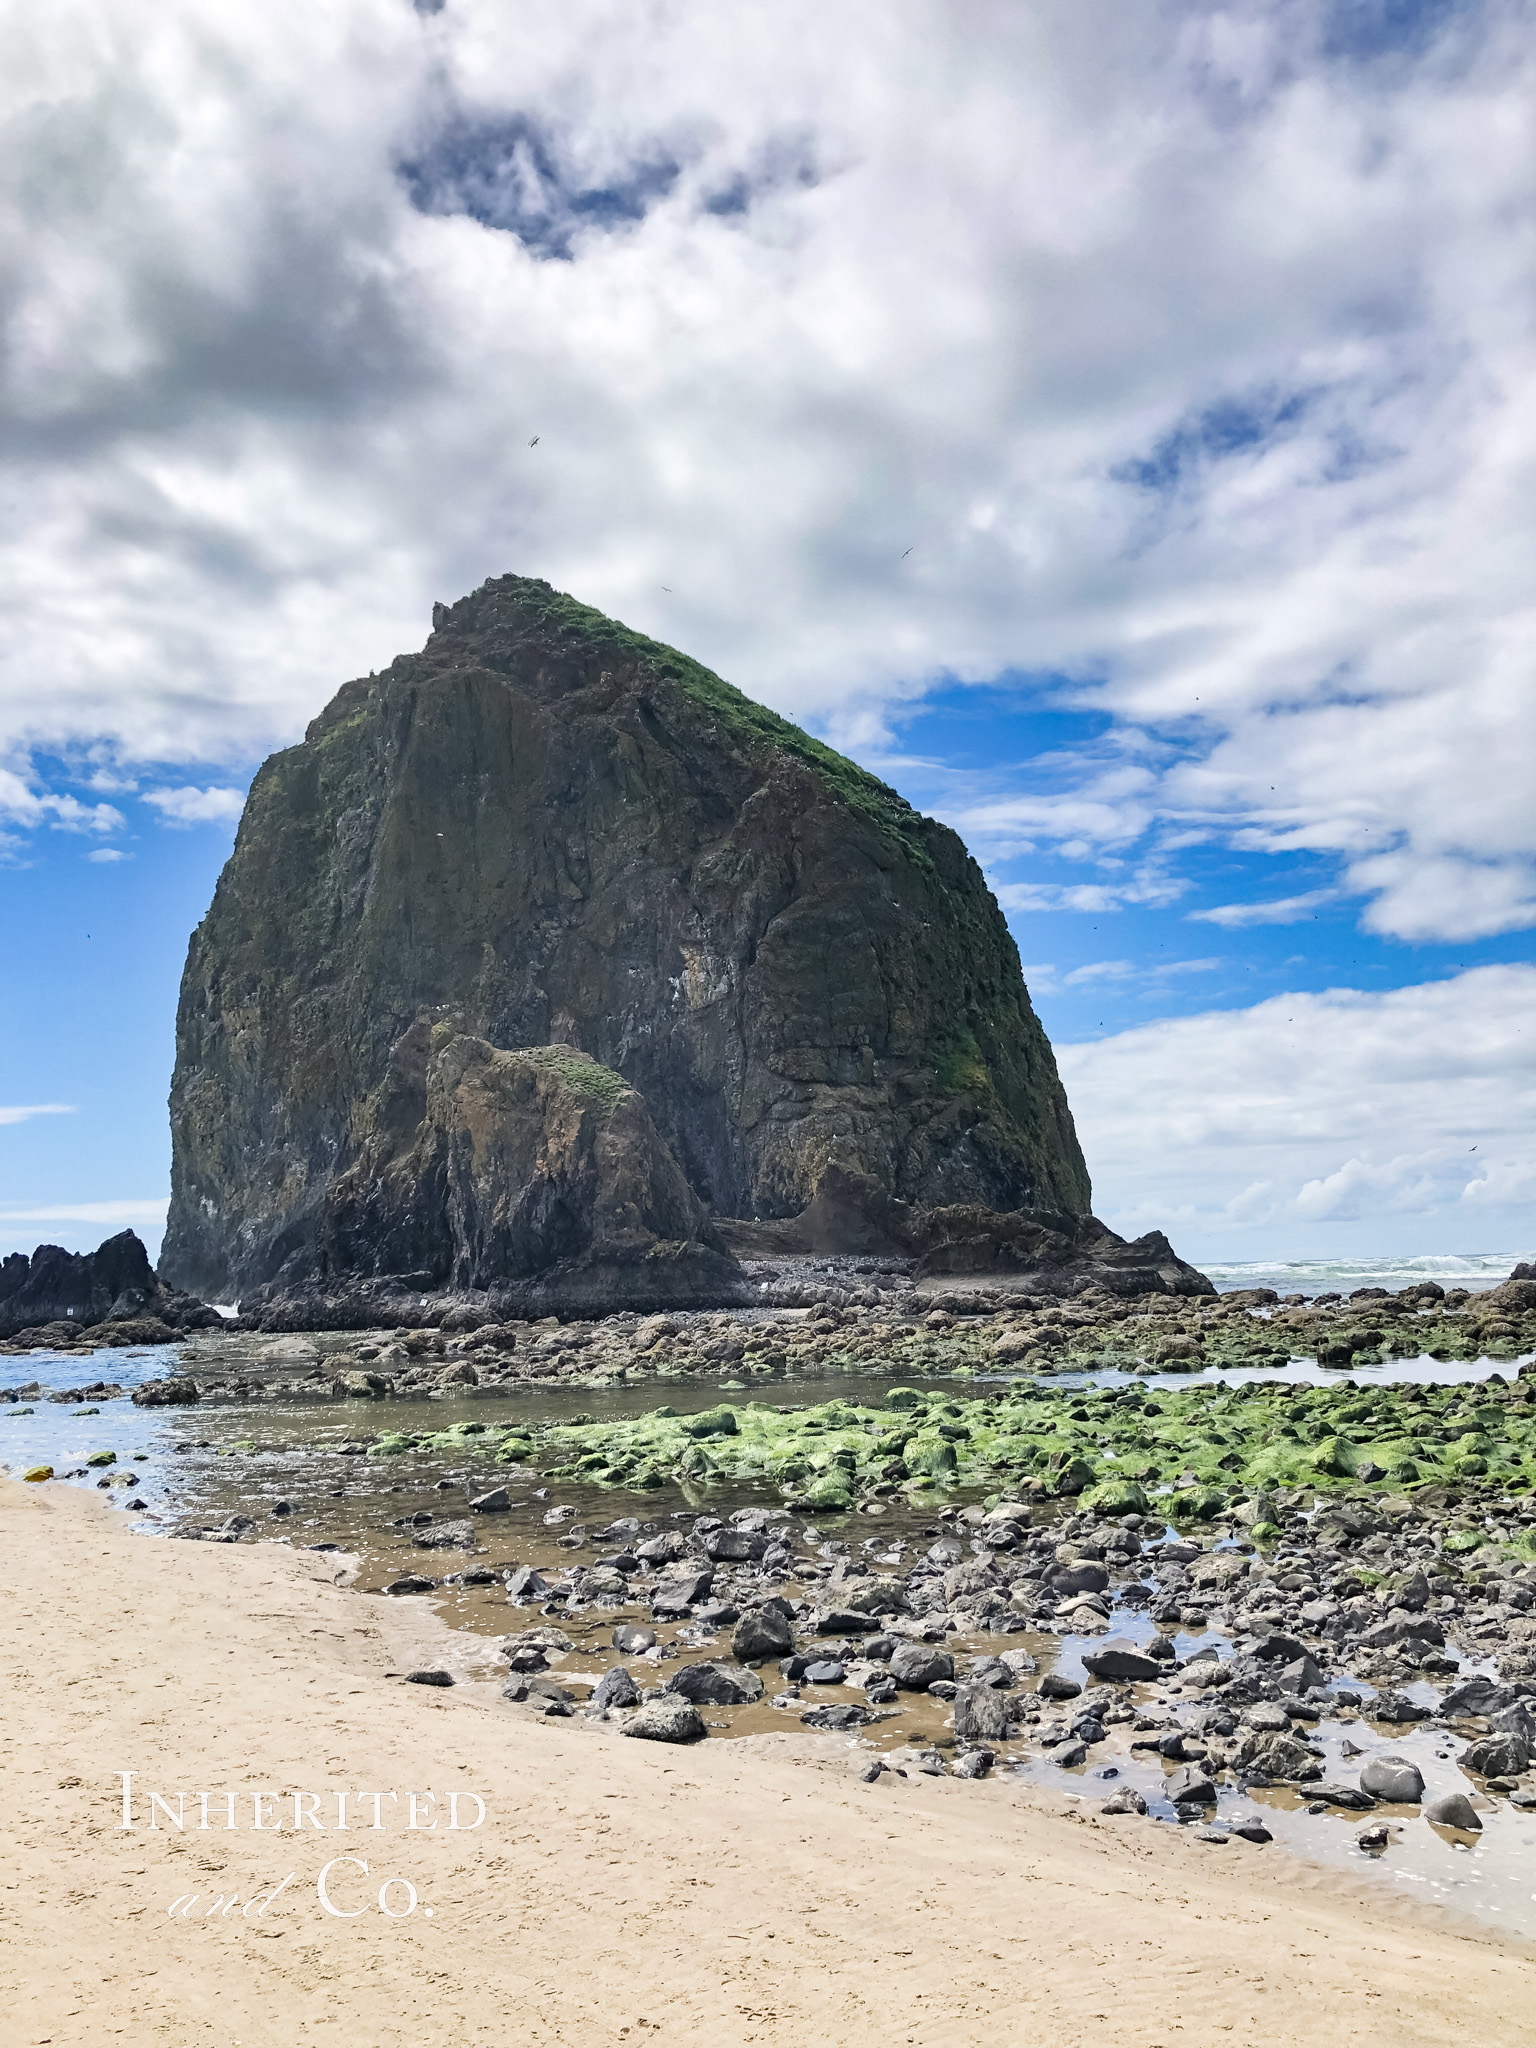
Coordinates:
(1351, 1798)
(845, 1621)
(982, 1714)
(1284, 1758)
(763, 1633)
(674, 1598)
(715, 1685)
(1078, 1578)
(1301, 1676)
(616, 1688)
(1190, 1786)
(916, 1666)
(838, 1718)
(1279, 1648)
(1453, 1810)
(825, 1671)
(1475, 1697)
(1117, 1661)
(1395, 1709)
(176, 1392)
(1393, 1780)
(1497, 1756)
(1055, 1685)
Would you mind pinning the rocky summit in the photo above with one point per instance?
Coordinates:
(549, 953)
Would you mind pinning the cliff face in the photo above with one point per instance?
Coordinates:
(518, 1165)
(544, 829)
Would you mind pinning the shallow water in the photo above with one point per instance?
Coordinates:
(197, 1466)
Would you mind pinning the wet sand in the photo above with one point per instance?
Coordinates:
(618, 1890)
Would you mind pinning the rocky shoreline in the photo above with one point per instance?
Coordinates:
(1172, 1592)
(866, 1315)
(1212, 1653)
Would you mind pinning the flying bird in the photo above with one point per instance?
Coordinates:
(909, 550)
(534, 442)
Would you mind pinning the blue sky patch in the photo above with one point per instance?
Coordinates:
(506, 173)
(1230, 426)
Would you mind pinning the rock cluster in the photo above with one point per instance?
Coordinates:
(1369, 1598)
(50, 1301)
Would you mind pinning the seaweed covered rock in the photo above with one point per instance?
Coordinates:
(547, 830)
(1192, 1454)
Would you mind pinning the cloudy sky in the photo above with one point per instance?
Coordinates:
(1114, 423)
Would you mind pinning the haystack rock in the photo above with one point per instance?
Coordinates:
(547, 832)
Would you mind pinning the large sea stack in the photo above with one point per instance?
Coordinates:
(542, 837)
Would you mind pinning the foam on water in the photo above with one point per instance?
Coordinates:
(1472, 1270)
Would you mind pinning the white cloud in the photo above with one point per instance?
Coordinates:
(1151, 884)
(1110, 809)
(26, 805)
(150, 1210)
(1282, 910)
(108, 853)
(1422, 898)
(1182, 352)
(81, 1226)
(190, 806)
(23, 1112)
(1099, 970)
(1311, 1124)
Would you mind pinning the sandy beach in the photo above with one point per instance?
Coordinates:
(616, 1890)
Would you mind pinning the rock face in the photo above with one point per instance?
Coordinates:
(114, 1283)
(488, 1168)
(544, 831)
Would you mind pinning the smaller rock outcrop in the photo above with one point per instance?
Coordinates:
(536, 1171)
(851, 1213)
(115, 1283)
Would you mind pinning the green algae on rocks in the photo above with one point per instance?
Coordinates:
(1193, 1452)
